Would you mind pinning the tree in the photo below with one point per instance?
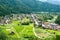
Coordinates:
(58, 20)
(2, 35)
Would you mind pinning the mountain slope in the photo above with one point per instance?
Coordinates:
(26, 6)
(12, 6)
(41, 6)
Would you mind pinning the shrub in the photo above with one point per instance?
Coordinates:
(25, 23)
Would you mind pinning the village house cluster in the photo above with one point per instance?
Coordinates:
(45, 25)
(33, 18)
(7, 19)
(52, 26)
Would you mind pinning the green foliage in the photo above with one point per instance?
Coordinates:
(25, 21)
(57, 37)
(44, 16)
(25, 6)
(3, 36)
(58, 20)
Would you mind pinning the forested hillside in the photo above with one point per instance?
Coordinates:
(26, 6)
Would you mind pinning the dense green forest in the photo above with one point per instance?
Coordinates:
(26, 6)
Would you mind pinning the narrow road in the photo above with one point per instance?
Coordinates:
(33, 26)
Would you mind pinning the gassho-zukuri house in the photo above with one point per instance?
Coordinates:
(52, 26)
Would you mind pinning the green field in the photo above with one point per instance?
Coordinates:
(26, 32)
(21, 31)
